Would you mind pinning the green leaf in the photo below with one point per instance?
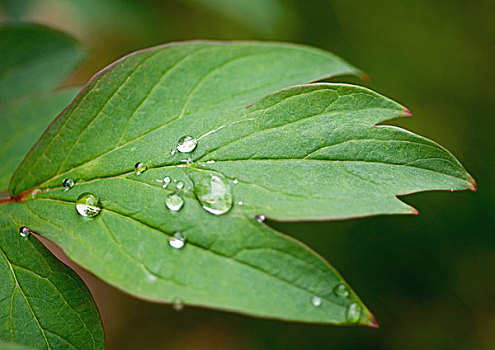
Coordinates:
(305, 152)
(34, 58)
(43, 304)
(23, 122)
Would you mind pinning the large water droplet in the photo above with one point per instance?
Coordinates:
(341, 291)
(316, 301)
(353, 313)
(186, 144)
(213, 192)
(177, 241)
(24, 231)
(174, 202)
(68, 184)
(88, 205)
(177, 304)
(140, 168)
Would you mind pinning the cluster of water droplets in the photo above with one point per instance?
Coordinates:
(354, 311)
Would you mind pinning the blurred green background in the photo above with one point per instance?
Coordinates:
(429, 279)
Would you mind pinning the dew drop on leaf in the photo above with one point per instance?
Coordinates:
(353, 313)
(210, 162)
(177, 241)
(214, 193)
(68, 184)
(88, 205)
(260, 218)
(186, 144)
(240, 203)
(180, 185)
(140, 168)
(178, 305)
(166, 181)
(341, 290)
(235, 181)
(316, 301)
(174, 202)
(24, 231)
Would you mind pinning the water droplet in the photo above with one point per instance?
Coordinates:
(260, 218)
(341, 291)
(35, 193)
(240, 203)
(166, 181)
(213, 192)
(140, 168)
(177, 241)
(316, 301)
(68, 184)
(172, 152)
(174, 202)
(353, 313)
(88, 205)
(24, 231)
(178, 305)
(180, 185)
(151, 278)
(186, 144)
(210, 162)
(235, 181)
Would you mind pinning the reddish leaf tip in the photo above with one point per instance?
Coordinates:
(372, 322)
(472, 181)
(407, 112)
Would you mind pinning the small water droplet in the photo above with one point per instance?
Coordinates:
(180, 185)
(316, 301)
(174, 202)
(88, 205)
(35, 193)
(235, 181)
(341, 290)
(178, 305)
(166, 181)
(172, 152)
(177, 241)
(213, 192)
(210, 162)
(140, 168)
(24, 231)
(186, 144)
(151, 278)
(68, 184)
(260, 218)
(240, 203)
(353, 313)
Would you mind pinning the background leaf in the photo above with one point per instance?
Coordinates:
(43, 303)
(23, 122)
(34, 58)
(137, 109)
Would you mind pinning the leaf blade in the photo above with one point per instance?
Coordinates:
(45, 303)
(45, 58)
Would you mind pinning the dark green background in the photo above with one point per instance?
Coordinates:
(429, 279)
